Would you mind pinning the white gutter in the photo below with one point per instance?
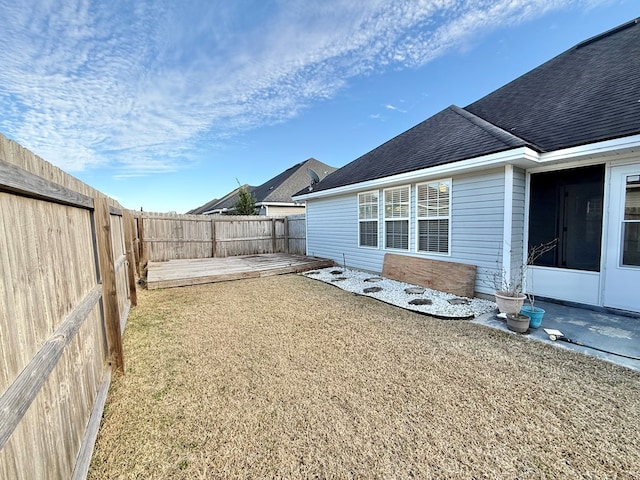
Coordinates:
(519, 154)
(607, 147)
(280, 204)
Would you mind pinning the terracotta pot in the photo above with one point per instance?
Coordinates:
(518, 322)
(509, 302)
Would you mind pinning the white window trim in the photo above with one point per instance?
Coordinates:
(448, 181)
(384, 219)
(377, 220)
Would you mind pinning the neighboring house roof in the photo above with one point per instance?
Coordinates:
(587, 94)
(228, 201)
(203, 208)
(279, 189)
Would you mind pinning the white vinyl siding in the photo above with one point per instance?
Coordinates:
(368, 204)
(396, 218)
(434, 216)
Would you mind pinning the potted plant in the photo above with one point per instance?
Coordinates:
(518, 322)
(509, 293)
(533, 312)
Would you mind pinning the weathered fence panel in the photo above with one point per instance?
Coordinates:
(170, 236)
(297, 234)
(56, 360)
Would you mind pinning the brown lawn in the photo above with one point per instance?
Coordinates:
(288, 377)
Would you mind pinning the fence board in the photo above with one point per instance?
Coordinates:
(109, 284)
(19, 396)
(52, 326)
(17, 180)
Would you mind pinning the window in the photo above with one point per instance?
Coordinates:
(396, 218)
(368, 219)
(631, 223)
(433, 215)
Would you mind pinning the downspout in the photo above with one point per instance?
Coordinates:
(507, 220)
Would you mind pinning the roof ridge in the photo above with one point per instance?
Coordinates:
(608, 33)
(496, 132)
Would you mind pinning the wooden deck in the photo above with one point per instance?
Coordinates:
(180, 273)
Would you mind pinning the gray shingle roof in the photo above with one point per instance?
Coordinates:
(278, 189)
(586, 94)
(203, 208)
(447, 137)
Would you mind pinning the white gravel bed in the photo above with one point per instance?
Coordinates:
(393, 292)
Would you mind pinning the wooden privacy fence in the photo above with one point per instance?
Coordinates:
(171, 236)
(66, 286)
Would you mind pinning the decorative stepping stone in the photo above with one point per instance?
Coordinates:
(373, 279)
(339, 279)
(335, 272)
(421, 301)
(459, 301)
(414, 290)
(372, 289)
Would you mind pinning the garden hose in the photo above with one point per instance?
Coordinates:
(562, 338)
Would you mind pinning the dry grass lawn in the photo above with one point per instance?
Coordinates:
(288, 377)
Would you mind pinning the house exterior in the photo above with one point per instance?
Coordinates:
(555, 154)
(274, 197)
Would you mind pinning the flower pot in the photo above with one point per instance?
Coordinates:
(509, 302)
(535, 313)
(518, 322)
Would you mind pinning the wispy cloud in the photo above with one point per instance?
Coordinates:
(392, 107)
(138, 84)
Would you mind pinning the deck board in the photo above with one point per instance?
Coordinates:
(181, 273)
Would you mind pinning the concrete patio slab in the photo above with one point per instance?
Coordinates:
(602, 334)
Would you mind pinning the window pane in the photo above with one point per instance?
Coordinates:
(396, 203)
(368, 205)
(631, 244)
(368, 234)
(433, 199)
(433, 236)
(632, 198)
(397, 234)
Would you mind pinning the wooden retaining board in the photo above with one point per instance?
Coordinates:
(450, 277)
(180, 273)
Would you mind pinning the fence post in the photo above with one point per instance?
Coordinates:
(136, 241)
(127, 222)
(143, 246)
(286, 234)
(111, 313)
(274, 243)
(213, 237)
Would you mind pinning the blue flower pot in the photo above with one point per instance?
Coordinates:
(535, 313)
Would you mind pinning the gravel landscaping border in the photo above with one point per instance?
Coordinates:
(430, 302)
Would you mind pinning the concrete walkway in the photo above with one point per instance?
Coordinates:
(592, 328)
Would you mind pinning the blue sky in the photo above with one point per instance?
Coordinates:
(167, 104)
